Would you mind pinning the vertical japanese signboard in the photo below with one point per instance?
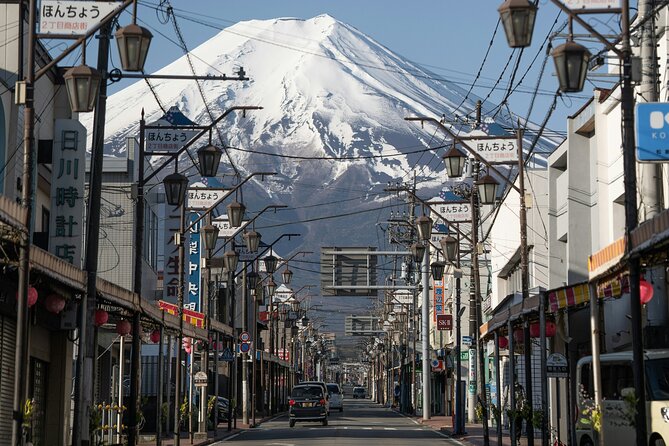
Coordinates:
(67, 190)
(438, 290)
(194, 271)
(171, 266)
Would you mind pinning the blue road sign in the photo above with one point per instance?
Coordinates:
(227, 355)
(244, 347)
(652, 131)
(467, 340)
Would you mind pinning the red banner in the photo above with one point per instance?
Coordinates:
(190, 316)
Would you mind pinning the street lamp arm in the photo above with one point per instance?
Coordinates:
(462, 141)
(116, 75)
(265, 249)
(576, 17)
(220, 200)
(203, 132)
(244, 225)
(45, 69)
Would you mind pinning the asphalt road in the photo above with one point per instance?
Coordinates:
(362, 423)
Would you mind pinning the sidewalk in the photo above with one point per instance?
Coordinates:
(222, 434)
(474, 432)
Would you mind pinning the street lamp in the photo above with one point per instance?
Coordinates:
(82, 83)
(424, 225)
(252, 280)
(271, 287)
(487, 189)
(437, 270)
(209, 157)
(210, 236)
(230, 261)
(252, 239)
(270, 263)
(286, 275)
(449, 245)
(571, 64)
(235, 213)
(518, 18)
(417, 252)
(133, 46)
(454, 161)
(175, 188)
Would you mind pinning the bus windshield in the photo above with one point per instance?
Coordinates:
(657, 372)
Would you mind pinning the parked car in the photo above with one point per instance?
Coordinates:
(223, 408)
(325, 391)
(359, 392)
(617, 380)
(336, 397)
(307, 402)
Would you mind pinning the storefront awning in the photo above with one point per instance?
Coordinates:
(607, 260)
(568, 296)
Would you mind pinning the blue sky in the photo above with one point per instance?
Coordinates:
(448, 37)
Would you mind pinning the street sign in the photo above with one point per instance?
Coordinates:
(453, 212)
(224, 228)
(244, 347)
(200, 379)
(591, 4)
(652, 131)
(467, 340)
(203, 198)
(498, 150)
(464, 356)
(72, 17)
(227, 355)
(557, 366)
(444, 322)
(244, 336)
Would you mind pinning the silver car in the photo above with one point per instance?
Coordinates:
(336, 397)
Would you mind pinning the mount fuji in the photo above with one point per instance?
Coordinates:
(332, 124)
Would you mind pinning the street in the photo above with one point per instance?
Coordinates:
(362, 423)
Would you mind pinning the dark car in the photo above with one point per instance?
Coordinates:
(359, 392)
(307, 402)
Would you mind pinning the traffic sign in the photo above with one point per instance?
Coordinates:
(244, 347)
(444, 322)
(200, 379)
(467, 340)
(557, 366)
(652, 131)
(464, 356)
(244, 336)
(227, 355)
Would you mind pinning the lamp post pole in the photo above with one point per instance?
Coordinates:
(459, 401)
(425, 331)
(180, 306)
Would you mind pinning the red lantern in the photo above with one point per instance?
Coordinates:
(518, 335)
(645, 291)
(551, 329)
(503, 342)
(187, 345)
(123, 327)
(32, 296)
(54, 303)
(155, 336)
(101, 317)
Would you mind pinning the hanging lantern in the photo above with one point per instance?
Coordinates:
(518, 18)
(503, 342)
(487, 189)
(571, 65)
(123, 327)
(424, 226)
(270, 263)
(176, 186)
(518, 335)
(231, 260)
(235, 213)
(645, 291)
(271, 287)
(455, 162)
(437, 269)
(418, 252)
(101, 317)
(54, 303)
(133, 46)
(155, 336)
(252, 239)
(449, 245)
(82, 83)
(187, 345)
(32, 296)
(535, 332)
(210, 158)
(286, 275)
(210, 236)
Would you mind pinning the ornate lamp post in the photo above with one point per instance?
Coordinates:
(424, 225)
(209, 158)
(236, 213)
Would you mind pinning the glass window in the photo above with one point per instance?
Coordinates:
(333, 388)
(657, 372)
(307, 392)
(615, 377)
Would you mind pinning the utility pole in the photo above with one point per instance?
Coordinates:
(650, 173)
(27, 194)
(425, 330)
(245, 356)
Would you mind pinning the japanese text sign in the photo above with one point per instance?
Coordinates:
(444, 322)
(438, 290)
(67, 190)
(591, 4)
(498, 150)
(72, 17)
(454, 212)
(171, 267)
(203, 198)
(652, 131)
(193, 269)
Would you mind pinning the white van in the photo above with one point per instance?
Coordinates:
(618, 382)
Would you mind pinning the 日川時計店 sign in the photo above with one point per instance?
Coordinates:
(72, 17)
(497, 150)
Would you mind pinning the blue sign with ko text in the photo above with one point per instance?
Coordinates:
(652, 131)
